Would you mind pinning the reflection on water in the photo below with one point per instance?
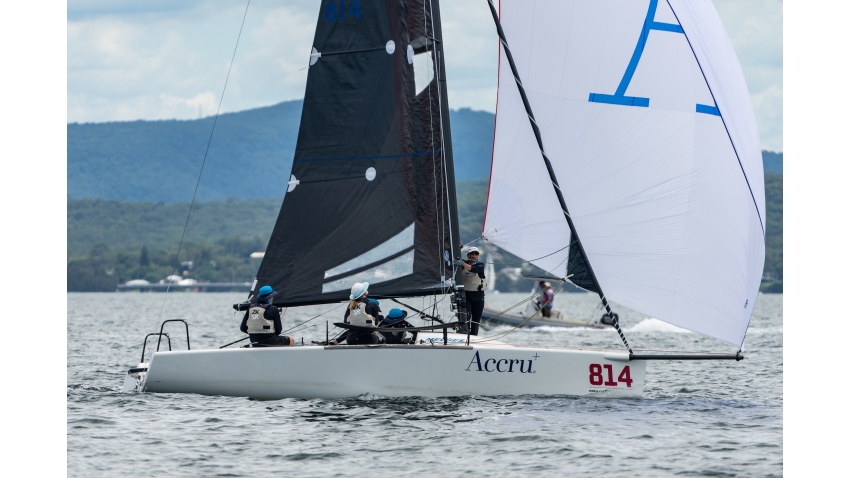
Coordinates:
(697, 418)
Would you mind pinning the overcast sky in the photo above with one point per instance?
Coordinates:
(161, 59)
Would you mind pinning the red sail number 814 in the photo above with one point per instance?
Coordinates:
(597, 378)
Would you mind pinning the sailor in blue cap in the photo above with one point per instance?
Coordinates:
(262, 322)
(396, 319)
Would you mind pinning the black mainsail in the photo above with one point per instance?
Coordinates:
(371, 192)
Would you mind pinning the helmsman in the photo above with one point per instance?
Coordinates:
(262, 322)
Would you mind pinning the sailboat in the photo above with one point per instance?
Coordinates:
(531, 315)
(635, 114)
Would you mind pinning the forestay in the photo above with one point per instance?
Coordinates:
(646, 118)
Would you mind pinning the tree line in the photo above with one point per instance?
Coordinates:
(112, 242)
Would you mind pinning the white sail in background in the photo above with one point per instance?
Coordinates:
(646, 118)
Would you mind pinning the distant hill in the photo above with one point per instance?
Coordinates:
(159, 161)
(772, 161)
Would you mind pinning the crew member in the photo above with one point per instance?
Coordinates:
(546, 299)
(473, 286)
(262, 322)
(396, 319)
(363, 312)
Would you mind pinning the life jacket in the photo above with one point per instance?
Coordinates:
(257, 322)
(358, 316)
(473, 281)
(549, 295)
(395, 337)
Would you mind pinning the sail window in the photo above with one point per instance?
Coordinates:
(423, 70)
(393, 269)
(395, 245)
(371, 174)
(419, 55)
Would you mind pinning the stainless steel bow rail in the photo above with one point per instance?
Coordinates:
(174, 320)
(161, 334)
(145, 345)
(444, 327)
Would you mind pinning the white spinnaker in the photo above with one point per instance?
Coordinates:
(665, 191)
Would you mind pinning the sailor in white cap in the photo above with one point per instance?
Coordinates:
(362, 312)
(473, 285)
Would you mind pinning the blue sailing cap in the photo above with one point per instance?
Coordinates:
(265, 292)
(395, 315)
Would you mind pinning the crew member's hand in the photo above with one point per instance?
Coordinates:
(458, 262)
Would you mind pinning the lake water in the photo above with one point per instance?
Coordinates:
(719, 418)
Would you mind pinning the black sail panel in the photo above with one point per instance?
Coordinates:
(578, 272)
(366, 197)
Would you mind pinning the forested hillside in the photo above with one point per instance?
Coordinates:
(772, 161)
(106, 239)
(773, 236)
(129, 185)
(160, 160)
(111, 242)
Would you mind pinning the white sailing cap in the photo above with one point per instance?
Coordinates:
(358, 289)
(473, 249)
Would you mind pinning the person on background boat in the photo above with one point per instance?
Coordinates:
(546, 299)
(473, 286)
(395, 319)
(262, 322)
(364, 312)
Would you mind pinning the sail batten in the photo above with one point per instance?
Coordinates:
(648, 127)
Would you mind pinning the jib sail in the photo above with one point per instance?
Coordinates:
(371, 193)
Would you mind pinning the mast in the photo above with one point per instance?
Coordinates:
(576, 243)
(448, 158)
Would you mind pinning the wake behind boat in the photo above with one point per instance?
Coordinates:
(663, 177)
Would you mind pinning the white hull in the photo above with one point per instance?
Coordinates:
(393, 371)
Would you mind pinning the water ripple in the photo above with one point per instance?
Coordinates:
(696, 419)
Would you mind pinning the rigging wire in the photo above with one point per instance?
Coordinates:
(505, 334)
(437, 76)
(206, 152)
(533, 296)
(316, 317)
(528, 261)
